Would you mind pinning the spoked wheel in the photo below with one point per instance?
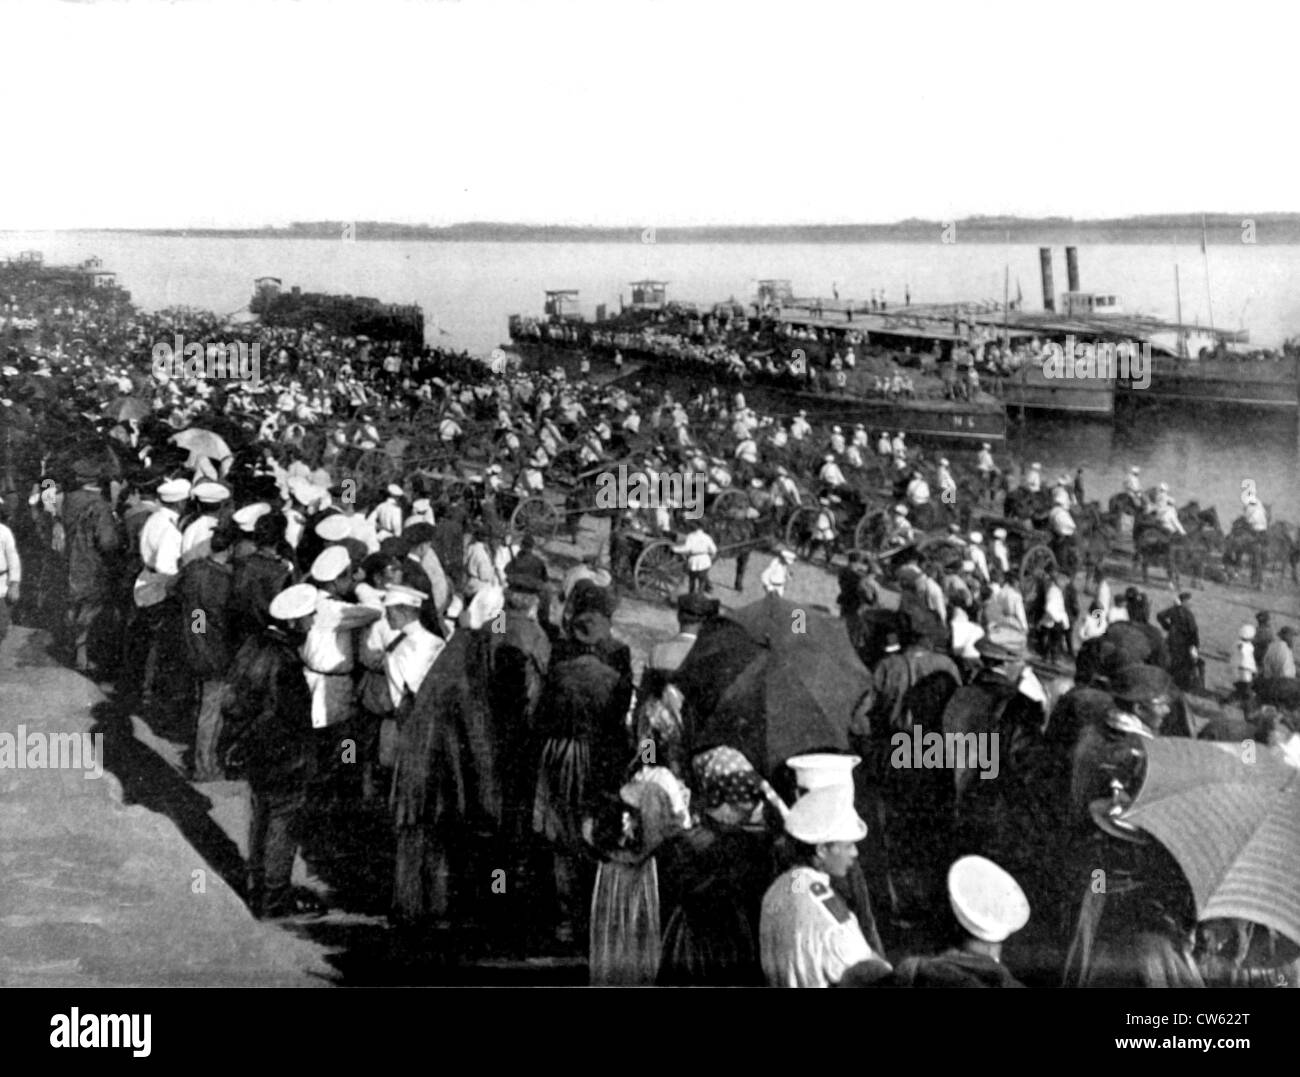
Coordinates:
(869, 524)
(373, 468)
(1037, 559)
(659, 573)
(537, 517)
(801, 526)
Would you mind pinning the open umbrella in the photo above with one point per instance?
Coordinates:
(722, 651)
(200, 443)
(1233, 826)
(796, 693)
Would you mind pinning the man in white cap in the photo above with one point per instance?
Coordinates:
(800, 428)
(808, 935)
(784, 490)
(267, 735)
(837, 443)
(1166, 513)
(196, 538)
(531, 479)
(830, 475)
(899, 447)
(975, 554)
(946, 483)
(990, 907)
(421, 509)
(899, 531)
(412, 654)
(1061, 524)
(160, 553)
(985, 465)
(387, 515)
(1133, 490)
(1001, 555)
(1033, 481)
(699, 550)
(305, 499)
(330, 652)
(777, 574)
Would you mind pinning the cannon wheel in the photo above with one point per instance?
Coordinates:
(659, 572)
(727, 521)
(802, 522)
(535, 516)
(1037, 559)
(373, 469)
(862, 532)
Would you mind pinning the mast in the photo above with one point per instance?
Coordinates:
(1178, 301)
(1006, 295)
(1206, 255)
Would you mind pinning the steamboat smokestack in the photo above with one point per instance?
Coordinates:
(1045, 262)
(1072, 267)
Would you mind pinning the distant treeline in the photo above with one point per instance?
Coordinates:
(1165, 228)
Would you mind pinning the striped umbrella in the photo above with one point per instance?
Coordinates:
(1232, 821)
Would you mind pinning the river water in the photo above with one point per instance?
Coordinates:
(467, 290)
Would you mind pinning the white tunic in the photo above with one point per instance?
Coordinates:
(808, 936)
(160, 550)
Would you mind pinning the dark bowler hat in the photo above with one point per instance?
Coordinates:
(698, 606)
(1140, 684)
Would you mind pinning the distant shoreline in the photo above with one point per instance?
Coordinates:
(1268, 229)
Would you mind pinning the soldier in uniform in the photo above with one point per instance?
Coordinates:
(808, 935)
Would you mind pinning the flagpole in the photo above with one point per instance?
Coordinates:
(1006, 295)
(1209, 301)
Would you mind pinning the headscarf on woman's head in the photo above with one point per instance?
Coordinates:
(725, 777)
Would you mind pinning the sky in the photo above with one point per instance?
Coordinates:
(645, 113)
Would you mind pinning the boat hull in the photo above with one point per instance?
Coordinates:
(1031, 390)
(940, 421)
(1256, 383)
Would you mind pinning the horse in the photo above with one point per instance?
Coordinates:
(1093, 537)
(1244, 543)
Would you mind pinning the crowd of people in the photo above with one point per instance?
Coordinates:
(395, 649)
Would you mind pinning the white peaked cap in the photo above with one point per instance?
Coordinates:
(400, 595)
(296, 601)
(394, 490)
(823, 769)
(247, 517)
(174, 490)
(824, 815)
(210, 493)
(334, 528)
(330, 564)
(304, 492)
(986, 900)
